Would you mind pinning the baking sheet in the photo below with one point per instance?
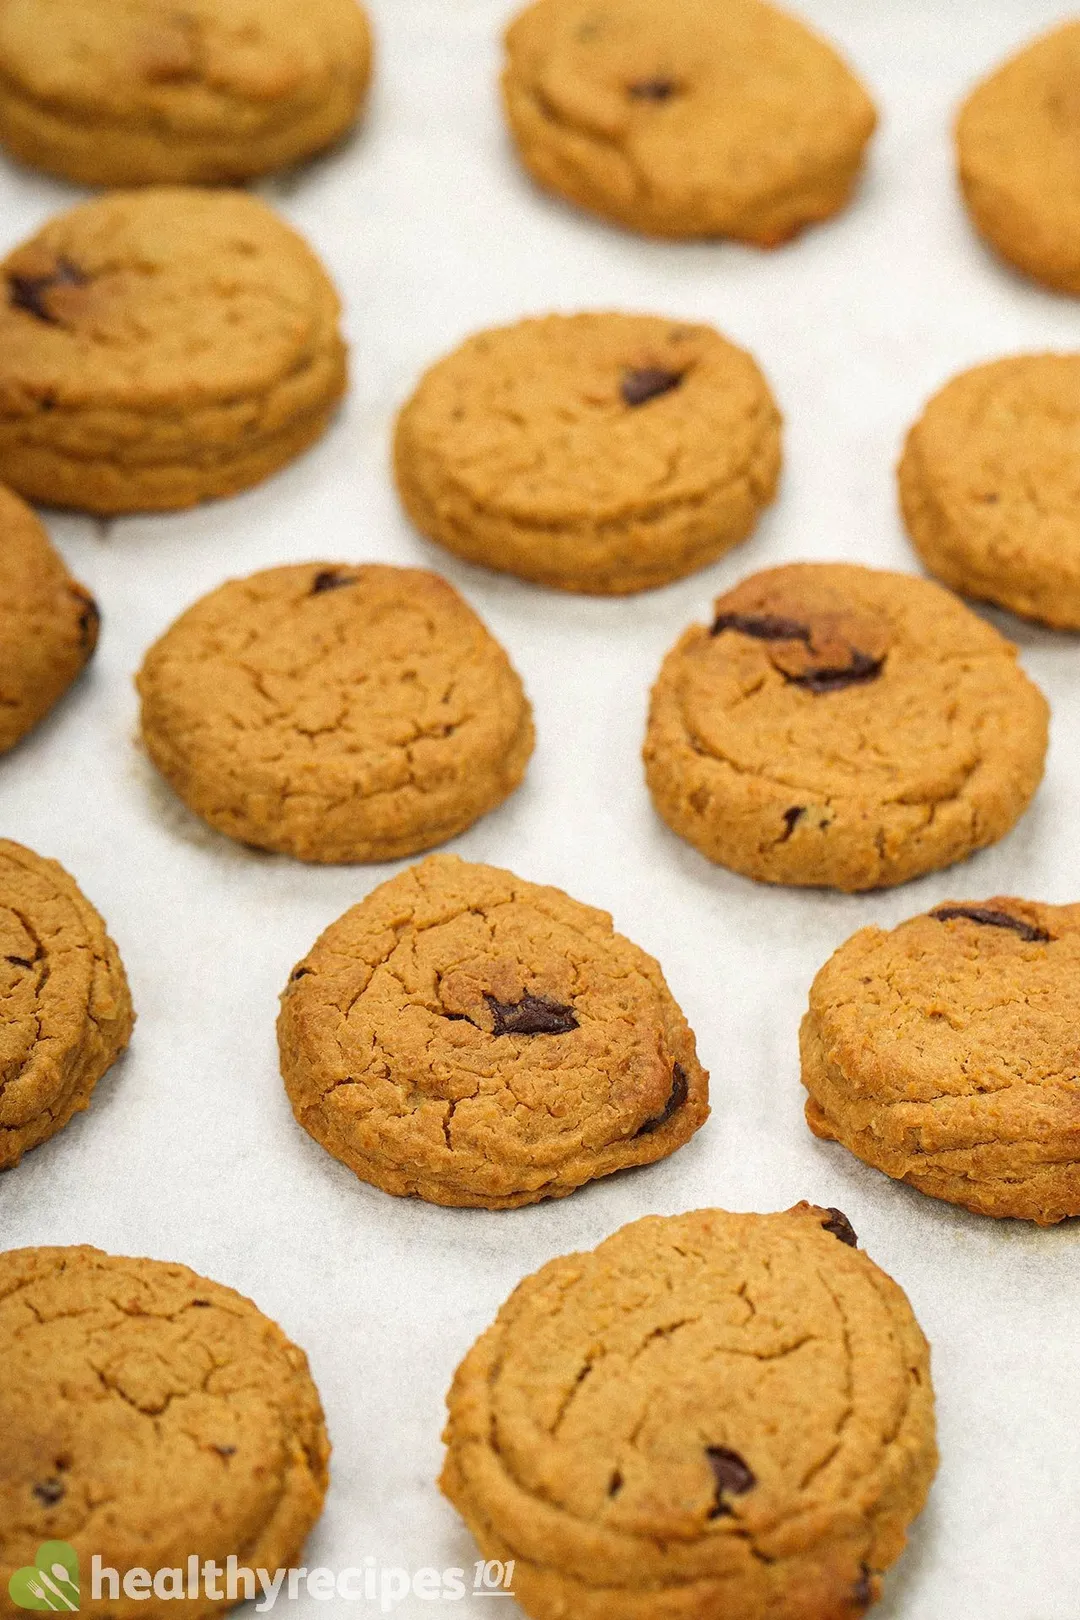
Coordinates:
(189, 1151)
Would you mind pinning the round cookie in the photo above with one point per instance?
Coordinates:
(709, 1417)
(990, 486)
(475, 1040)
(603, 453)
(65, 1009)
(48, 623)
(842, 727)
(335, 713)
(698, 120)
(146, 91)
(149, 1417)
(162, 347)
(945, 1053)
(1017, 137)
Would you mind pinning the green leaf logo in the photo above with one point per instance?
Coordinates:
(51, 1583)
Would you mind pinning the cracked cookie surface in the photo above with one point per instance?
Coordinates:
(48, 623)
(990, 486)
(603, 453)
(148, 1416)
(475, 1040)
(160, 348)
(1017, 139)
(151, 91)
(699, 120)
(945, 1052)
(335, 712)
(842, 727)
(710, 1416)
(65, 1009)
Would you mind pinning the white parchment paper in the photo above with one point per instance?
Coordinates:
(190, 1152)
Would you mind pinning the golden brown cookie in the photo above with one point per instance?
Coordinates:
(990, 486)
(48, 622)
(65, 1009)
(709, 1417)
(140, 92)
(842, 727)
(149, 1417)
(161, 347)
(475, 1040)
(945, 1052)
(335, 713)
(1017, 139)
(602, 453)
(701, 119)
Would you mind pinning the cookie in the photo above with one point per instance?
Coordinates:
(990, 486)
(335, 713)
(65, 1009)
(48, 623)
(1016, 140)
(149, 1417)
(602, 453)
(945, 1053)
(698, 120)
(709, 1417)
(475, 1040)
(842, 727)
(161, 347)
(149, 92)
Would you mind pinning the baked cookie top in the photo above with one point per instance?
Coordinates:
(48, 622)
(705, 1398)
(334, 711)
(990, 484)
(148, 1415)
(65, 1010)
(1017, 138)
(946, 1051)
(700, 119)
(476, 1039)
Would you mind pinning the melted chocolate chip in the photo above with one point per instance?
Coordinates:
(862, 1593)
(28, 292)
(330, 579)
(224, 1451)
(201, 1304)
(532, 1015)
(762, 626)
(859, 668)
(792, 818)
(615, 1484)
(840, 1227)
(680, 1091)
(987, 917)
(733, 1477)
(862, 668)
(299, 973)
(89, 621)
(652, 90)
(648, 382)
(50, 1491)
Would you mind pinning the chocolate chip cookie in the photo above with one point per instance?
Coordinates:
(709, 1415)
(48, 623)
(161, 347)
(1017, 138)
(945, 1052)
(691, 120)
(147, 91)
(335, 712)
(149, 1417)
(842, 727)
(475, 1040)
(990, 486)
(65, 1009)
(603, 453)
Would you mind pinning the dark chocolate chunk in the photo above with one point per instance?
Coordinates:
(330, 579)
(532, 1015)
(680, 1091)
(50, 1491)
(201, 1304)
(28, 292)
(840, 1227)
(649, 382)
(792, 818)
(615, 1484)
(862, 668)
(733, 1477)
(653, 89)
(762, 626)
(989, 918)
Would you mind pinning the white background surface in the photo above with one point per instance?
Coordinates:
(190, 1152)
